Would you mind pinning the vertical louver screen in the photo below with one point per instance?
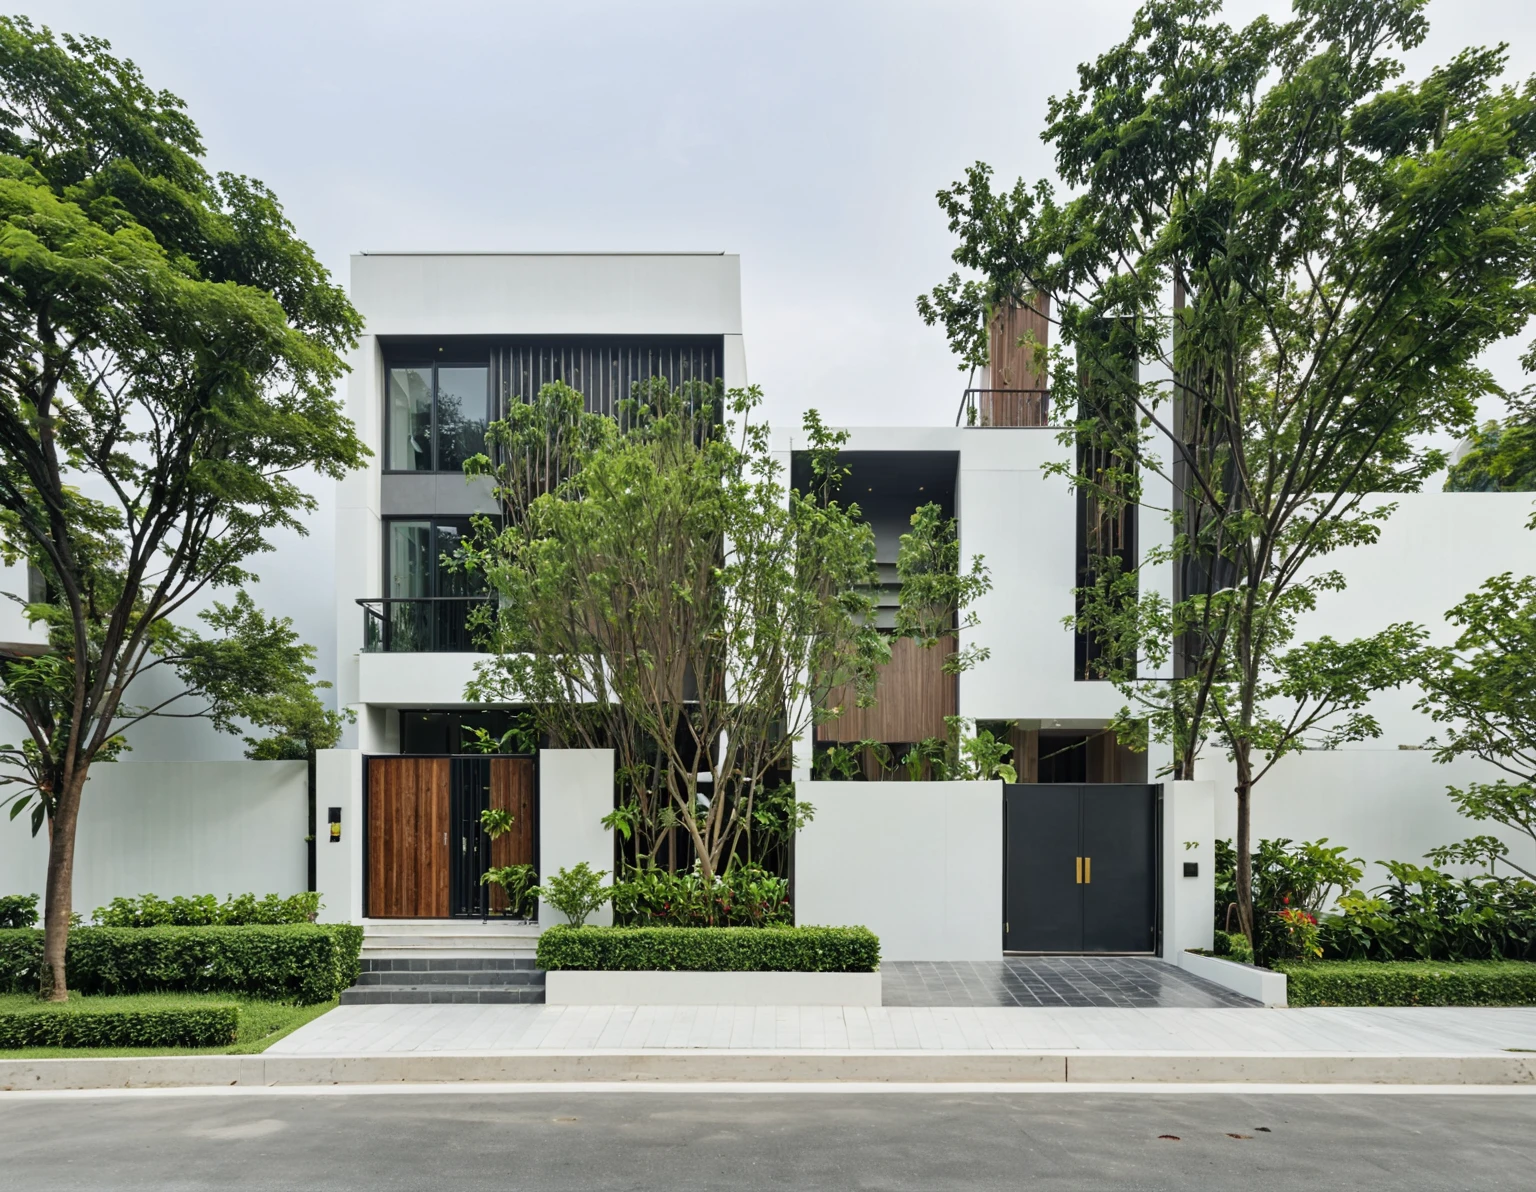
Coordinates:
(605, 371)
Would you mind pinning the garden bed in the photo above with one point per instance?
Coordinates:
(1410, 982)
(146, 1024)
(1265, 986)
(710, 949)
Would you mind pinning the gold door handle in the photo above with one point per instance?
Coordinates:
(1087, 871)
(1079, 871)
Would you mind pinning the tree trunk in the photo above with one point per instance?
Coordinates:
(53, 982)
(1244, 851)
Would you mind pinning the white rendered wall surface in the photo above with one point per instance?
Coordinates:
(1189, 818)
(918, 863)
(575, 793)
(339, 864)
(172, 828)
(1381, 804)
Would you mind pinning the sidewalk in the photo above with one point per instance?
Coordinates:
(474, 1043)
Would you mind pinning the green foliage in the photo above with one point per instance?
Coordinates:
(836, 761)
(1410, 983)
(1483, 690)
(935, 595)
(17, 910)
(98, 1023)
(1423, 913)
(1292, 884)
(1343, 246)
(496, 822)
(1234, 946)
(745, 895)
(303, 963)
(575, 893)
(1501, 456)
(711, 949)
(521, 737)
(663, 591)
(204, 910)
(520, 882)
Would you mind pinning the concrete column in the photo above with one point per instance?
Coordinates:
(575, 793)
(339, 863)
(1189, 837)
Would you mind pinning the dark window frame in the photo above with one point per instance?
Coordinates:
(432, 365)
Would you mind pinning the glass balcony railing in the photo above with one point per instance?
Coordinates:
(420, 624)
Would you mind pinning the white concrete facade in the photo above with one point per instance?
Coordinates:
(918, 863)
(172, 828)
(575, 793)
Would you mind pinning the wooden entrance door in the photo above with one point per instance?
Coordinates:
(1080, 871)
(408, 826)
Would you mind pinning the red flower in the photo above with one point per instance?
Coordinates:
(1286, 900)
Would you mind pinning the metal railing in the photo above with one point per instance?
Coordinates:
(1004, 407)
(419, 624)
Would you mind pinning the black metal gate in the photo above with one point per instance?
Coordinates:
(469, 851)
(1080, 867)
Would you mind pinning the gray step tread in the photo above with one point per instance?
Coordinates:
(395, 995)
(448, 964)
(459, 977)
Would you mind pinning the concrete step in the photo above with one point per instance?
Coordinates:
(439, 939)
(475, 927)
(460, 978)
(424, 995)
(447, 964)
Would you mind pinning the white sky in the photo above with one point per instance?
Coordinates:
(808, 137)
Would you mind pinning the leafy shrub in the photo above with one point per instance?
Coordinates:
(519, 882)
(745, 895)
(18, 910)
(711, 949)
(1234, 946)
(204, 910)
(82, 1025)
(575, 893)
(1287, 876)
(1424, 913)
(306, 963)
(1409, 983)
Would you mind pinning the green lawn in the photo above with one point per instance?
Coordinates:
(261, 1023)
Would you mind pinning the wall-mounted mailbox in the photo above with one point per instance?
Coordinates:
(1191, 868)
(335, 819)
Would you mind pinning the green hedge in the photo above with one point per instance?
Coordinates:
(712, 949)
(1410, 983)
(300, 963)
(76, 1025)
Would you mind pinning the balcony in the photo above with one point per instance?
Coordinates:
(419, 624)
(1004, 407)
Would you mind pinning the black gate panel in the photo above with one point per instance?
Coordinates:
(469, 848)
(1119, 868)
(1043, 902)
(1080, 867)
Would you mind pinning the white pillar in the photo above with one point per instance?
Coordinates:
(339, 863)
(575, 793)
(1189, 838)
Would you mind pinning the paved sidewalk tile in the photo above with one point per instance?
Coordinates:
(1128, 981)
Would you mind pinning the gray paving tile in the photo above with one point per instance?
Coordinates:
(1132, 982)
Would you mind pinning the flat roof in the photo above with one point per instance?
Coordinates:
(494, 253)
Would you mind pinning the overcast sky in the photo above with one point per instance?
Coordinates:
(808, 137)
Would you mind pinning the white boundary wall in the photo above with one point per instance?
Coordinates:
(918, 863)
(172, 828)
(575, 793)
(1189, 819)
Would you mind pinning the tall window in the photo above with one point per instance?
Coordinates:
(436, 416)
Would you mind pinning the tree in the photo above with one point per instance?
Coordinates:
(168, 354)
(663, 592)
(1339, 247)
(1501, 456)
(1483, 689)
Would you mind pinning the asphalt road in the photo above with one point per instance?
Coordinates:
(744, 1142)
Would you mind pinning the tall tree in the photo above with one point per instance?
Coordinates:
(1500, 455)
(169, 351)
(1301, 259)
(666, 593)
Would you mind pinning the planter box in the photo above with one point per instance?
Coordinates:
(1262, 985)
(577, 987)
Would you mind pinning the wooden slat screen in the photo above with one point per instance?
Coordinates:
(407, 841)
(912, 697)
(512, 790)
(1012, 366)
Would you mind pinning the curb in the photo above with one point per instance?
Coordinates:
(1090, 1067)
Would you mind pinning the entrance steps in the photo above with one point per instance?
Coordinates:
(477, 980)
(437, 961)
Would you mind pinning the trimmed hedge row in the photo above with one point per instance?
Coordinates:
(711, 949)
(1410, 983)
(73, 1025)
(305, 963)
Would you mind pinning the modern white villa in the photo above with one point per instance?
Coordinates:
(1090, 852)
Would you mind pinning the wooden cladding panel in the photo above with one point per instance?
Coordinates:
(511, 790)
(408, 827)
(994, 408)
(912, 697)
(1010, 364)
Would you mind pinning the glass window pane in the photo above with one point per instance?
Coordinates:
(410, 420)
(462, 398)
(410, 559)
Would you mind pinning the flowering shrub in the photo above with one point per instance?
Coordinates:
(1301, 933)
